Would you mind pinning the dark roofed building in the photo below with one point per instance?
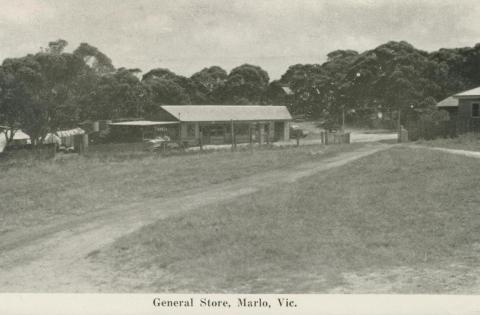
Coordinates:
(464, 110)
(468, 113)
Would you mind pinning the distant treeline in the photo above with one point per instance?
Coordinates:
(52, 89)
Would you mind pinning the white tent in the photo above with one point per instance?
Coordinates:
(51, 138)
(3, 143)
(18, 137)
(63, 137)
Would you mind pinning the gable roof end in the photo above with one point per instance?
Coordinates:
(448, 102)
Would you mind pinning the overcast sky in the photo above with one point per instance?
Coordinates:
(187, 35)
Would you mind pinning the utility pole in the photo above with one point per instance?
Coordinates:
(398, 126)
(398, 123)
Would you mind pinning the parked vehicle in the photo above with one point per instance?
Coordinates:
(158, 143)
(296, 131)
(163, 144)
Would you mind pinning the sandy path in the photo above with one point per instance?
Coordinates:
(53, 258)
(474, 154)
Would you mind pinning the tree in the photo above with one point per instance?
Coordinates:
(57, 46)
(94, 58)
(320, 90)
(392, 76)
(115, 95)
(246, 84)
(166, 87)
(427, 122)
(207, 84)
(12, 100)
(38, 91)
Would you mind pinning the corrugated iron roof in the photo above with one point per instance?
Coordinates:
(227, 112)
(470, 93)
(139, 123)
(448, 102)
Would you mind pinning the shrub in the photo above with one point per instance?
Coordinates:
(430, 124)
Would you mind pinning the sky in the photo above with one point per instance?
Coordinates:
(188, 35)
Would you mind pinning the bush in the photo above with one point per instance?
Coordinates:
(329, 125)
(431, 124)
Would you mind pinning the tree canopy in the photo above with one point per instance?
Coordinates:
(38, 92)
(53, 89)
(246, 84)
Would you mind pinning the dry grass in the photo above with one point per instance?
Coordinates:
(403, 220)
(36, 191)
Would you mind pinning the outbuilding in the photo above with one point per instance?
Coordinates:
(468, 114)
(464, 110)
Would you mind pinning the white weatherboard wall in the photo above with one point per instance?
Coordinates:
(183, 130)
(197, 130)
(271, 128)
(286, 131)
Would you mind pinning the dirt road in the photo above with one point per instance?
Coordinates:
(473, 154)
(53, 258)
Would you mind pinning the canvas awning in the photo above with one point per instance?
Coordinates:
(56, 137)
(70, 132)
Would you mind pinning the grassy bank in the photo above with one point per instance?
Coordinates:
(402, 220)
(36, 191)
(469, 142)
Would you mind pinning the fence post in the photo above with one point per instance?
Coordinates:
(232, 133)
(268, 132)
(250, 140)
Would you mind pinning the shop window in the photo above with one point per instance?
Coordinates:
(217, 131)
(476, 110)
(242, 129)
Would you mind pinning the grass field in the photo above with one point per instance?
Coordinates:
(400, 221)
(35, 192)
(469, 142)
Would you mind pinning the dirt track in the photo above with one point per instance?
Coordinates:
(467, 153)
(53, 258)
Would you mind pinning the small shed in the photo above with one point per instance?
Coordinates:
(468, 110)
